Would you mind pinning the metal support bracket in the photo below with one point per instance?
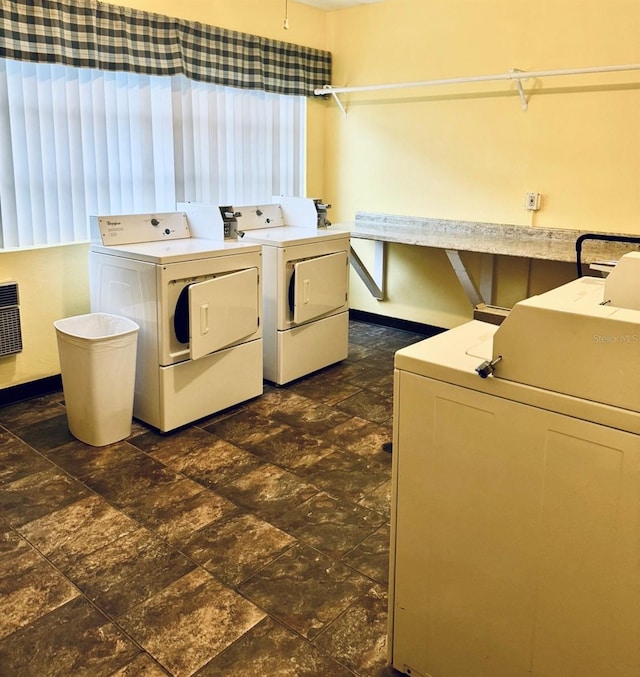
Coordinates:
(476, 294)
(523, 97)
(336, 98)
(373, 282)
(487, 263)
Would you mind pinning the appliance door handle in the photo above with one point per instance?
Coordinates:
(204, 319)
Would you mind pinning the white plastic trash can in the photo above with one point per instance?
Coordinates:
(97, 355)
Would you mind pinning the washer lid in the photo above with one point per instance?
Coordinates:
(453, 356)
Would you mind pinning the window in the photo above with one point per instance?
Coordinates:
(77, 142)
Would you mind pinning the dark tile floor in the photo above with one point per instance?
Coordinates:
(250, 543)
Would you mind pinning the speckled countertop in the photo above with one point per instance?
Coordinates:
(552, 244)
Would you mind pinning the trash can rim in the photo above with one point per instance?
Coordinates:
(95, 326)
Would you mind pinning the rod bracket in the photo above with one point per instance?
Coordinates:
(328, 89)
(523, 98)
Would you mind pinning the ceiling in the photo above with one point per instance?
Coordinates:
(336, 4)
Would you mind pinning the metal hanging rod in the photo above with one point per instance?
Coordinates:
(513, 74)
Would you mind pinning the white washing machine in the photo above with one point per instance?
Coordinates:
(516, 497)
(305, 285)
(197, 299)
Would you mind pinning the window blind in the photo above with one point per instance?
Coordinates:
(81, 141)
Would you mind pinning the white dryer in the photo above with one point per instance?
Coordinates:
(305, 286)
(198, 303)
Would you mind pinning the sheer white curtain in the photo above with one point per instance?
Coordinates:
(76, 142)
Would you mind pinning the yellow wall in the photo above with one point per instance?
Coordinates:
(465, 152)
(52, 283)
(468, 151)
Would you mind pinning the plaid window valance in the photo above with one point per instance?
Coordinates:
(86, 33)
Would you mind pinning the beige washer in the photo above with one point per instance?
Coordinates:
(516, 507)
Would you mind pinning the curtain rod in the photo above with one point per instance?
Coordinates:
(513, 74)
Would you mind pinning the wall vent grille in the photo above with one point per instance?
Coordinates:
(10, 329)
